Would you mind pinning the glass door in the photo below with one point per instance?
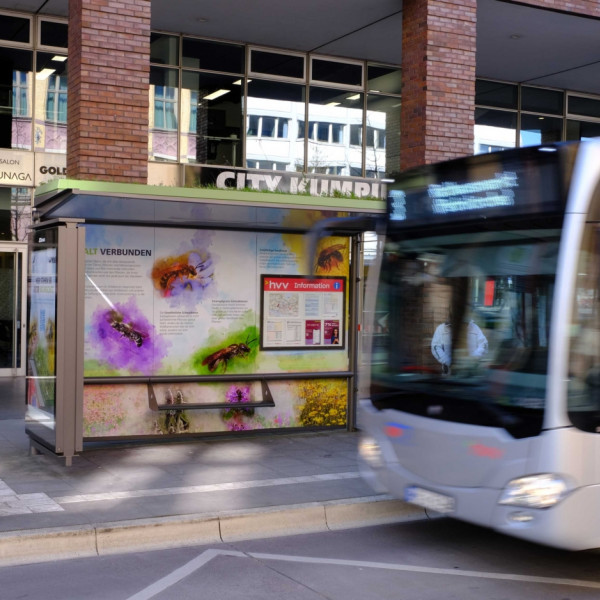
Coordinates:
(12, 312)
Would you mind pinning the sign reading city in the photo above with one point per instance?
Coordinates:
(302, 312)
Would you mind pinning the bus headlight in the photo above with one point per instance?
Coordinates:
(370, 451)
(534, 491)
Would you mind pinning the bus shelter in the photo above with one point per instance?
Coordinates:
(161, 313)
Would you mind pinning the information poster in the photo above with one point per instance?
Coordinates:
(306, 312)
(184, 302)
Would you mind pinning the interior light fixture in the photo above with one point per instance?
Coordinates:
(332, 104)
(354, 97)
(59, 58)
(216, 94)
(44, 74)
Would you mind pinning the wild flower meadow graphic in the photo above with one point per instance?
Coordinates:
(123, 338)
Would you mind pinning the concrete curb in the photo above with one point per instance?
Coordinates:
(42, 545)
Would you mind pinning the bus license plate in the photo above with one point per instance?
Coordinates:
(429, 500)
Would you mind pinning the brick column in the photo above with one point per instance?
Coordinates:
(438, 80)
(108, 75)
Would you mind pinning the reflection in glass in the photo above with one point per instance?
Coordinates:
(275, 126)
(580, 130)
(331, 71)
(496, 93)
(584, 357)
(212, 56)
(586, 107)
(41, 334)
(15, 98)
(494, 130)
(211, 119)
(332, 114)
(162, 138)
(164, 49)
(15, 213)
(382, 152)
(50, 133)
(387, 80)
(536, 130)
(542, 101)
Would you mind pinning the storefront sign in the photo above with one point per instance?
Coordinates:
(49, 166)
(283, 182)
(16, 168)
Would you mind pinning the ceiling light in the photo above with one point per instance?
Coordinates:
(44, 74)
(332, 104)
(59, 58)
(216, 94)
(355, 97)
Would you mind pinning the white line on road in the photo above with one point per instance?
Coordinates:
(206, 556)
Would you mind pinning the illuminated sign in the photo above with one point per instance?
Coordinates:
(450, 197)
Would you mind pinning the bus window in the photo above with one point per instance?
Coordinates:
(584, 358)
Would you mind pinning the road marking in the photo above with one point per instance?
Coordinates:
(12, 503)
(189, 568)
(174, 577)
(198, 489)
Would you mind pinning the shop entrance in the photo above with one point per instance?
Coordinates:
(12, 310)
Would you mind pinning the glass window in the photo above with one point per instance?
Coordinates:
(337, 133)
(268, 127)
(581, 130)
(162, 135)
(164, 49)
(473, 319)
(282, 127)
(50, 134)
(355, 135)
(15, 29)
(54, 34)
(584, 358)
(277, 64)
(212, 56)
(495, 93)
(586, 107)
(344, 108)
(536, 130)
(387, 80)
(281, 106)
(15, 98)
(383, 115)
(15, 213)
(336, 72)
(494, 130)
(211, 119)
(542, 101)
(253, 122)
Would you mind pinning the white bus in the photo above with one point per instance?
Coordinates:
(481, 392)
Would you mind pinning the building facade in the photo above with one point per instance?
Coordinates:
(127, 92)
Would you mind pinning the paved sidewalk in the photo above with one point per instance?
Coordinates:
(117, 499)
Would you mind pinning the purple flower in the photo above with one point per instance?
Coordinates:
(236, 395)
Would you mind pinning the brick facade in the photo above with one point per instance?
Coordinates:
(109, 62)
(438, 80)
(589, 8)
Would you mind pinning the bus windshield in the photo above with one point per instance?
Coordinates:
(461, 326)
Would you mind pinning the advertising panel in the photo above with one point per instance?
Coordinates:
(41, 338)
(186, 302)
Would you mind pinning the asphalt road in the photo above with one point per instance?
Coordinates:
(420, 560)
